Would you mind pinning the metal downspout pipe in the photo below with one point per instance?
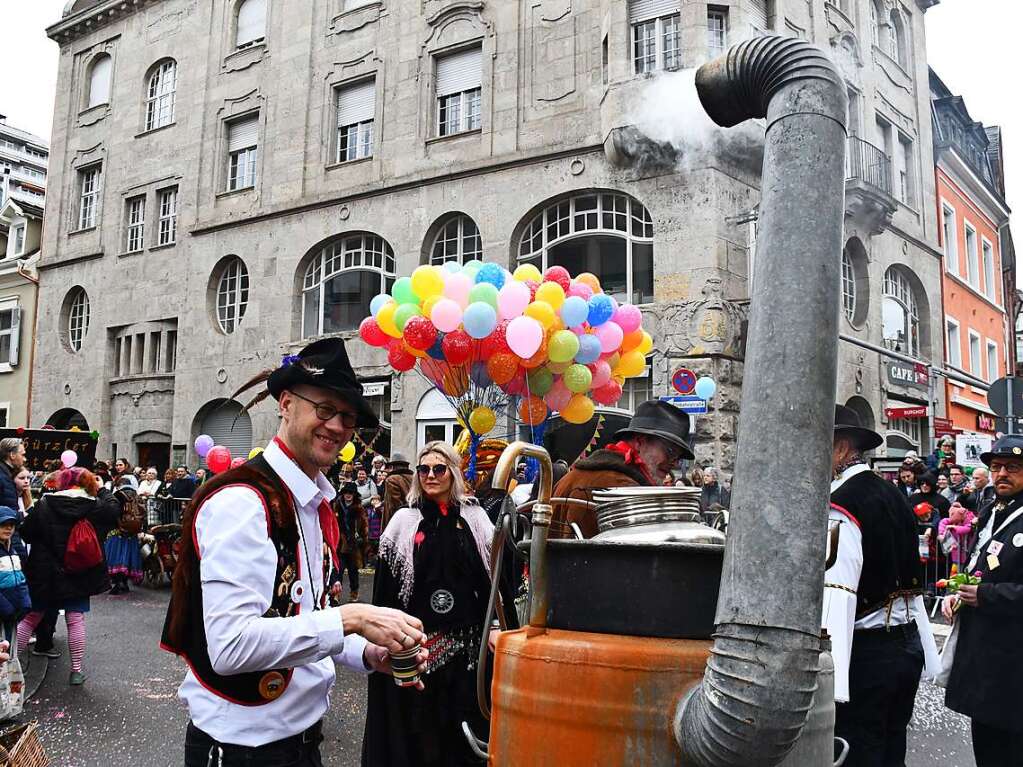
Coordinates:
(762, 673)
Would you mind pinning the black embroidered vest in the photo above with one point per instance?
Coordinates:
(184, 632)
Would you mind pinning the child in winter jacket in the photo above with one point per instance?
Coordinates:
(14, 598)
(957, 530)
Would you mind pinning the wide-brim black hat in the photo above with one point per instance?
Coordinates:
(325, 365)
(1009, 446)
(659, 419)
(847, 424)
(349, 487)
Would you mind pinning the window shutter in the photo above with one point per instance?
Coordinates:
(356, 103)
(460, 72)
(643, 10)
(99, 81)
(757, 10)
(229, 429)
(243, 133)
(251, 22)
(15, 335)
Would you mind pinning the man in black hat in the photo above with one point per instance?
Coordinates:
(647, 450)
(249, 610)
(986, 678)
(872, 604)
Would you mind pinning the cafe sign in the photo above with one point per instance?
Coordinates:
(904, 374)
(985, 422)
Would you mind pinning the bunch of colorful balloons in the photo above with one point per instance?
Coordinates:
(488, 338)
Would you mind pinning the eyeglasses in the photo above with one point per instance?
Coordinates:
(436, 471)
(1010, 468)
(326, 412)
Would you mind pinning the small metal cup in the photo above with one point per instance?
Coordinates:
(405, 667)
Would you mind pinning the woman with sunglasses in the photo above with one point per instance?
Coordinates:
(434, 563)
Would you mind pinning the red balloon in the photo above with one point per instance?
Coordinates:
(560, 275)
(218, 459)
(532, 289)
(608, 394)
(237, 462)
(517, 385)
(496, 342)
(923, 510)
(457, 347)
(502, 367)
(371, 333)
(399, 358)
(420, 333)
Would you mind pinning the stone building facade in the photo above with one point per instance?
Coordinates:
(251, 173)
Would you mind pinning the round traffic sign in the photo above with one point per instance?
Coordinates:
(683, 380)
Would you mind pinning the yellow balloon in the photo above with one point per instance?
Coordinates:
(631, 365)
(429, 303)
(541, 311)
(426, 282)
(586, 278)
(527, 272)
(254, 452)
(347, 452)
(482, 420)
(646, 345)
(578, 410)
(552, 293)
(385, 319)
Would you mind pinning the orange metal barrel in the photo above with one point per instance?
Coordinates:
(574, 699)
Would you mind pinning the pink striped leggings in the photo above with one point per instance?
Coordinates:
(75, 634)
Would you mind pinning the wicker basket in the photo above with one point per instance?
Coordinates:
(20, 747)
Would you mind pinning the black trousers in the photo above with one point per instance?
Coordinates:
(45, 629)
(883, 677)
(349, 563)
(995, 747)
(302, 750)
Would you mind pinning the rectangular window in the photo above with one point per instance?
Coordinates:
(992, 361)
(975, 355)
(356, 107)
(459, 92)
(972, 257)
(19, 239)
(605, 74)
(10, 318)
(135, 221)
(167, 233)
(242, 140)
(955, 353)
(756, 11)
(717, 31)
(989, 269)
(656, 34)
(89, 185)
(171, 360)
(950, 238)
(4, 408)
(904, 163)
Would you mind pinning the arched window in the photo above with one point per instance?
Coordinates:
(99, 80)
(77, 318)
(458, 239)
(605, 233)
(876, 14)
(250, 23)
(898, 39)
(341, 280)
(855, 287)
(160, 91)
(900, 319)
(848, 287)
(232, 294)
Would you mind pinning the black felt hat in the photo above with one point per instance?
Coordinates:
(847, 424)
(659, 419)
(1009, 446)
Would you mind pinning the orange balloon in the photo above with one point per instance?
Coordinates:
(632, 340)
(586, 278)
(532, 411)
(537, 359)
(578, 410)
(415, 352)
(502, 367)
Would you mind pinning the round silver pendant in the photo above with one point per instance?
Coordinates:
(442, 601)
(297, 590)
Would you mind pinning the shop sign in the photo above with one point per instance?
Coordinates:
(45, 445)
(906, 412)
(943, 426)
(985, 422)
(904, 374)
(373, 389)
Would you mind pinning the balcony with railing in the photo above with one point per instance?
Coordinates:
(868, 185)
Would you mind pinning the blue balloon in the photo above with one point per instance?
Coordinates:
(436, 351)
(479, 320)
(474, 263)
(574, 311)
(705, 387)
(601, 308)
(589, 349)
(378, 303)
(478, 374)
(491, 273)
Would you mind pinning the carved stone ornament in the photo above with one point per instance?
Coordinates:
(709, 326)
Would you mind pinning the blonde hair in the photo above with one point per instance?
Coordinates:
(454, 464)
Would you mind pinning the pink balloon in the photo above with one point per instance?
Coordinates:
(601, 374)
(457, 287)
(236, 462)
(68, 459)
(558, 396)
(610, 335)
(580, 289)
(525, 336)
(628, 317)
(513, 299)
(446, 315)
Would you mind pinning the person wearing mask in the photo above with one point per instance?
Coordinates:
(873, 609)
(249, 609)
(366, 487)
(985, 680)
(394, 491)
(354, 525)
(434, 563)
(713, 492)
(646, 450)
(12, 460)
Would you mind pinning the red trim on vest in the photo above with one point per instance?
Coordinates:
(222, 696)
(266, 511)
(846, 513)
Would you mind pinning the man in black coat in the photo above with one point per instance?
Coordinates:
(986, 680)
(12, 459)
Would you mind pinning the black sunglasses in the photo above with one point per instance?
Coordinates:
(437, 471)
(326, 412)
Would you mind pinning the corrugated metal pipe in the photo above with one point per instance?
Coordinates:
(762, 672)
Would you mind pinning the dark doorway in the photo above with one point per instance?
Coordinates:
(154, 454)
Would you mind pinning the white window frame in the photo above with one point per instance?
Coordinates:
(95, 100)
(167, 216)
(242, 161)
(19, 235)
(717, 39)
(906, 165)
(950, 237)
(459, 111)
(248, 42)
(90, 187)
(666, 57)
(953, 351)
(353, 140)
(454, 231)
(78, 319)
(987, 250)
(848, 286)
(972, 256)
(976, 363)
(135, 223)
(13, 334)
(232, 295)
(899, 288)
(992, 349)
(161, 94)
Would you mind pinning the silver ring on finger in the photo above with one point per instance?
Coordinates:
(404, 638)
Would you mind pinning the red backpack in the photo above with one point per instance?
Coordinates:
(83, 551)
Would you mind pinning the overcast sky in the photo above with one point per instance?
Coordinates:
(974, 45)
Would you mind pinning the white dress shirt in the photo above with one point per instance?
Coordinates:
(238, 565)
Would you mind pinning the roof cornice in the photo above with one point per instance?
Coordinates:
(90, 19)
(950, 161)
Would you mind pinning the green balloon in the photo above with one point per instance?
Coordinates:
(578, 378)
(563, 346)
(404, 313)
(403, 293)
(472, 264)
(540, 381)
(485, 292)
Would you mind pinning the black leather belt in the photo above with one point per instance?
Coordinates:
(302, 740)
(902, 631)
